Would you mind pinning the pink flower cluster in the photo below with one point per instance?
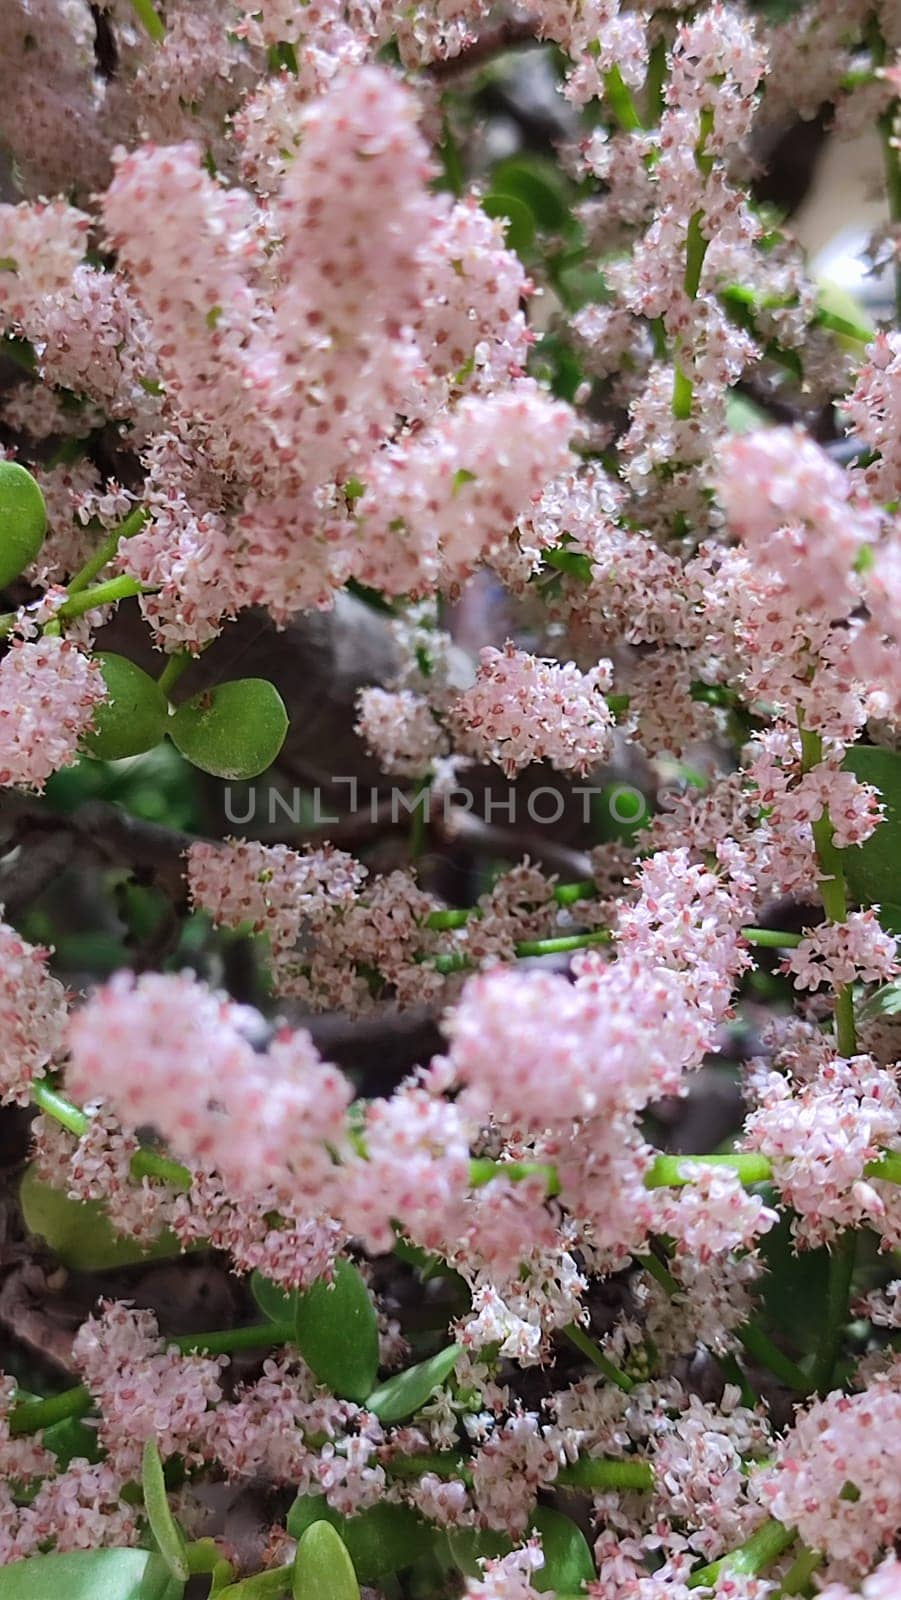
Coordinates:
(48, 691)
(833, 1478)
(286, 325)
(521, 709)
(33, 1015)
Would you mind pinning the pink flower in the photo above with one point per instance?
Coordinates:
(797, 512)
(508, 1577)
(165, 1051)
(820, 1135)
(40, 247)
(144, 1390)
(854, 951)
(48, 692)
(401, 730)
(616, 1041)
(32, 1015)
(712, 1214)
(842, 1440)
(522, 709)
(271, 887)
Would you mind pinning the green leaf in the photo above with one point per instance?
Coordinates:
(884, 1002)
(384, 1539)
(133, 718)
(469, 1546)
(540, 186)
(794, 1288)
(80, 1232)
(337, 1333)
(403, 1395)
(619, 811)
(274, 1302)
(520, 224)
(568, 1561)
(323, 1569)
(23, 520)
(873, 869)
(71, 1440)
(163, 1525)
(90, 1575)
(233, 731)
(567, 1558)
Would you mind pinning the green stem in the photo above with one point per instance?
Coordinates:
(226, 1341)
(459, 961)
(149, 19)
(749, 1559)
(33, 1415)
(482, 1169)
(145, 1163)
(442, 1463)
(620, 101)
(668, 1172)
(587, 1473)
(695, 251)
(655, 80)
(891, 160)
(892, 167)
(771, 938)
(104, 553)
(372, 598)
(101, 595)
(419, 819)
(665, 1171)
(841, 1271)
(55, 1105)
(452, 917)
(151, 1164)
(561, 946)
(588, 1348)
(761, 1349)
(832, 891)
(565, 894)
(683, 395)
(657, 1270)
(262, 1586)
(173, 669)
(797, 1579)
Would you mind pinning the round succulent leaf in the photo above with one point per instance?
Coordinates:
(80, 1232)
(402, 1395)
(233, 731)
(23, 520)
(337, 1332)
(322, 1566)
(133, 716)
(873, 869)
(90, 1575)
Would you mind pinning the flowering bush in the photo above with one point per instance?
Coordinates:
(585, 444)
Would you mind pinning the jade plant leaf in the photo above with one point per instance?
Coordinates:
(403, 1394)
(384, 1539)
(80, 1232)
(234, 731)
(322, 1566)
(337, 1333)
(90, 1575)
